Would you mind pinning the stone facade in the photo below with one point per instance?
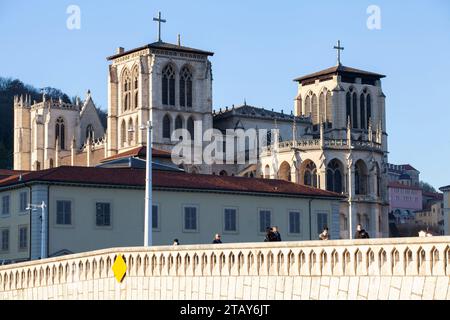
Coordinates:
(345, 148)
(405, 269)
(47, 132)
(145, 70)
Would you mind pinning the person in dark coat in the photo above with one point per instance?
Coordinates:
(276, 234)
(361, 233)
(217, 239)
(269, 235)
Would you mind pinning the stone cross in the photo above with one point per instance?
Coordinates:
(339, 48)
(159, 20)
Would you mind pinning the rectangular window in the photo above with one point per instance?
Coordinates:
(5, 240)
(322, 222)
(230, 220)
(5, 205)
(23, 238)
(190, 218)
(264, 220)
(64, 212)
(294, 222)
(103, 214)
(155, 222)
(23, 201)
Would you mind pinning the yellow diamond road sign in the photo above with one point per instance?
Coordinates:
(119, 268)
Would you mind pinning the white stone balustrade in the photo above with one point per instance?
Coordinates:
(407, 268)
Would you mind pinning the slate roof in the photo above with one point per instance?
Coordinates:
(164, 46)
(340, 70)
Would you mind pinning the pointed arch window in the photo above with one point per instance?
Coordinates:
(360, 178)
(135, 88)
(315, 110)
(310, 175)
(166, 127)
(60, 133)
(168, 86)
(369, 109)
(130, 132)
(186, 87)
(322, 114)
(362, 108)
(329, 116)
(348, 103)
(334, 177)
(355, 110)
(190, 127)
(308, 106)
(123, 135)
(179, 123)
(126, 96)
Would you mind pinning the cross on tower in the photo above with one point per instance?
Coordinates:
(159, 20)
(339, 48)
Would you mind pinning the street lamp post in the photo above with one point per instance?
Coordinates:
(148, 241)
(42, 206)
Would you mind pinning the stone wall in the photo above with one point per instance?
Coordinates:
(414, 268)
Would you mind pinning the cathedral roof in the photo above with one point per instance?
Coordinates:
(342, 71)
(166, 180)
(139, 152)
(164, 46)
(255, 112)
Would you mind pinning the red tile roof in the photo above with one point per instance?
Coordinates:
(434, 195)
(139, 152)
(7, 173)
(167, 180)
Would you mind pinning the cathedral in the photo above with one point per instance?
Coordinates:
(335, 138)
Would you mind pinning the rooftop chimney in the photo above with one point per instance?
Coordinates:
(120, 50)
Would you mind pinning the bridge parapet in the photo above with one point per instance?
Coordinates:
(405, 257)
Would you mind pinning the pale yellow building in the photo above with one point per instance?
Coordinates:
(96, 208)
(432, 217)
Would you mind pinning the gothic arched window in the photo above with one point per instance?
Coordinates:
(322, 114)
(190, 127)
(369, 109)
(130, 131)
(135, 88)
(310, 175)
(329, 115)
(334, 176)
(60, 133)
(185, 87)
(90, 133)
(178, 123)
(315, 110)
(166, 127)
(355, 110)
(123, 135)
(168, 86)
(362, 108)
(348, 103)
(308, 106)
(126, 96)
(136, 130)
(360, 177)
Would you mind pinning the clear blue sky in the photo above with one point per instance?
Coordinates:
(260, 47)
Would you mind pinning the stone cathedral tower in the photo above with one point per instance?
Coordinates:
(168, 83)
(345, 148)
